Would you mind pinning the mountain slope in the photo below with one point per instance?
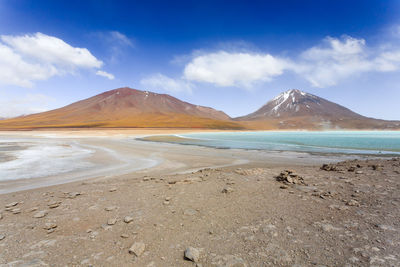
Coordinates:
(126, 107)
(295, 109)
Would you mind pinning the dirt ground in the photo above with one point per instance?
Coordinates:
(345, 214)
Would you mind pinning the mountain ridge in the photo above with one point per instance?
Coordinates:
(131, 108)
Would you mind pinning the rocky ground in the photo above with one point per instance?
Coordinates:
(344, 214)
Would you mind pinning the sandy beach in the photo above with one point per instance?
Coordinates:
(139, 203)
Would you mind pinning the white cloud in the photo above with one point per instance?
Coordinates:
(52, 50)
(234, 69)
(333, 61)
(338, 59)
(122, 39)
(15, 71)
(28, 58)
(30, 103)
(160, 81)
(105, 74)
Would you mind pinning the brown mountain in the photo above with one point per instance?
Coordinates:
(295, 109)
(126, 107)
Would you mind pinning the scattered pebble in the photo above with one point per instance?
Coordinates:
(192, 254)
(227, 190)
(112, 221)
(12, 204)
(40, 214)
(128, 219)
(137, 249)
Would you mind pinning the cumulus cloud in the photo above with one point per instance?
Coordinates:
(14, 70)
(160, 81)
(28, 58)
(52, 50)
(28, 104)
(234, 69)
(338, 59)
(333, 61)
(323, 65)
(105, 74)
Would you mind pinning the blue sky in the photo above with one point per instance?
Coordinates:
(230, 55)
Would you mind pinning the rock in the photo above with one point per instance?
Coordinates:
(192, 254)
(2, 237)
(112, 221)
(54, 204)
(33, 209)
(352, 202)
(49, 225)
(351, 169)
(73, 194)
(1, 216)
(12, 204)
(124, 235)
(284, 187)
(128, 219)
(112, 189)
(376, 167)
(110, 208)
(227, 190)
(137, 249)
(359, 172)
(289, 177)
(328, 167)
(40, 214)
(16, 211)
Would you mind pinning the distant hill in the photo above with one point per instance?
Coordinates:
(295, 109)
(126, 107)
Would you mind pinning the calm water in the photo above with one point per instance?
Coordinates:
(371, 142)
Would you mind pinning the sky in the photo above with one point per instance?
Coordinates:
(230, 55)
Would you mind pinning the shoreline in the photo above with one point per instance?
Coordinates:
(118, 153)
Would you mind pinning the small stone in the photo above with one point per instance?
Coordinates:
(128, 219)
(40, 214)
(124, 235)
(145, 179)
(283, 187)
(111, 208)
(166, 203)
(352, 202)
(112, 221)
(2, 237)
(192, 254)
(33, 209)
(16, 211)
(49, 225)
(73, 194)
(137, 248)
(168, 199)
(1, 216)
(54, 204)
(227, 190)
(359, 172)
(12, 204)
(113, 189)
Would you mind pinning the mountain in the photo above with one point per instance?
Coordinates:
(295, 109)
(126, 107)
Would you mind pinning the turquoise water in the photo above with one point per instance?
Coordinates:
(352, 142)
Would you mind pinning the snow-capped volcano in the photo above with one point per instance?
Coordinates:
(296, 103)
